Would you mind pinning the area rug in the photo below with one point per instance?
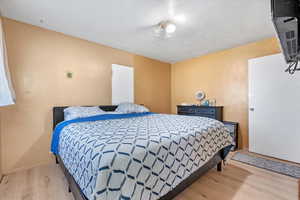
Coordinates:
(268, 164)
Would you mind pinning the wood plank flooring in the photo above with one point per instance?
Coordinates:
(41, 183)
(237, 182)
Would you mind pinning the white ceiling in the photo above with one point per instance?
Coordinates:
(210, 25)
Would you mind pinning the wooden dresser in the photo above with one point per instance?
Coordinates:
(214, 112)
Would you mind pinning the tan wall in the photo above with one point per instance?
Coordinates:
(223, 76)
(157, 92)
(39, 60)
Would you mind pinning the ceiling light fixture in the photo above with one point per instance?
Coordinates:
(165, 28)
(170, 27)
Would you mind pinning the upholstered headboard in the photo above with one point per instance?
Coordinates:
(58, 113)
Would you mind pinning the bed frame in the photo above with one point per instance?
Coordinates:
(216, 160)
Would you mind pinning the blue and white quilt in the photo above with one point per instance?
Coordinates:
(136, 156)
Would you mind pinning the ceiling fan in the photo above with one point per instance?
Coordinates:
(170, 22)
(165, 29)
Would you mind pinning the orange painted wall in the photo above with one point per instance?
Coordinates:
(223, 76)
(39, 60)
(157, 92)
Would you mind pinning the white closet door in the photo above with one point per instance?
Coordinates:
(7, 93)
(274, 109)
(122, 84)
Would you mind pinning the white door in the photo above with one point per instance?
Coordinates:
(122, 84)
(274, 109)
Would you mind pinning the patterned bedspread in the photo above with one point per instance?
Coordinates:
(141, 157)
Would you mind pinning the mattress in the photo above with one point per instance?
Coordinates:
(136, 156)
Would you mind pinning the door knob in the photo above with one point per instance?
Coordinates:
(251, 109)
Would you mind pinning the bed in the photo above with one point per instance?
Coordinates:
(137, 156)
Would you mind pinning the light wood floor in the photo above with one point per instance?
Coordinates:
(237, 182)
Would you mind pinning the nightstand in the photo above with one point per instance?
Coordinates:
(233, 130)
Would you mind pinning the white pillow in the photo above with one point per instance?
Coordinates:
(76, 112)
(131, 108)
